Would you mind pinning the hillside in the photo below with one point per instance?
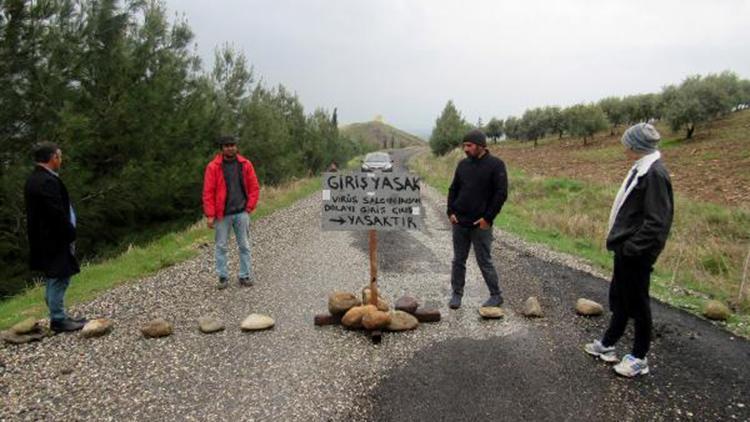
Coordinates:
(714, 166)
(380, 135)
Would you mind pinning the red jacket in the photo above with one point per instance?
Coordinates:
(215, 188)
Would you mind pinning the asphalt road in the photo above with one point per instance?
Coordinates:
(462, 368)
(699, 371)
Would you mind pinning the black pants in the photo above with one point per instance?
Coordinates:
(463, 239)
(628, 298)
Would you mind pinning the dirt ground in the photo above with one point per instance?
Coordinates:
(714, 166)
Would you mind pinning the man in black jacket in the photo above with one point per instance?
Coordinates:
(476, 195)
(639, 224)
(52, 231)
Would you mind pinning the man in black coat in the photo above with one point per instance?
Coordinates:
(639, 224)
(52, 232)
(476, 195)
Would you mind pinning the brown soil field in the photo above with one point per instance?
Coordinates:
(713, 166)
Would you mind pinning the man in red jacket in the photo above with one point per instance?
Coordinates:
(230, 194)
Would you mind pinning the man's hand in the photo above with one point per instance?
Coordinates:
(483, 225)
(453, 219)
(210, 222)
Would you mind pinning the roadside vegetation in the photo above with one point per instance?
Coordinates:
(561, 193)
(119, 86)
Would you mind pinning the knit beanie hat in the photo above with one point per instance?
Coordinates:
(226, 140)
(476, 137)
(641, 137)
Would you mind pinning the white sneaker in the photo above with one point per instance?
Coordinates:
(631, 366)
(596, 348)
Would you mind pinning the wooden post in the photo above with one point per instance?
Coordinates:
(376, 335)
(374, 267)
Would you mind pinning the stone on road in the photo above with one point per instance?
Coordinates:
(97, 328)
(257, 322)
(208, 325)
(157, 328)
(532, 308)
(587, 307)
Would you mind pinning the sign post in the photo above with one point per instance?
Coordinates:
(373, 267)
(373, 202)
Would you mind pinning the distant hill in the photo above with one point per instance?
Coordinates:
(380, 135)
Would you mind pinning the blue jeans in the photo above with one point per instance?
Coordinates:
(463, 239)
(53, 295)
(240, 223)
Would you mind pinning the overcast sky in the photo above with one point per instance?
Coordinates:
(404, 59)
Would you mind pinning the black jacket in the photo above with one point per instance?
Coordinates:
(643, 222)
(479, 189)
(49, 227)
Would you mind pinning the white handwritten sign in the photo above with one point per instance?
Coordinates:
(371, 201)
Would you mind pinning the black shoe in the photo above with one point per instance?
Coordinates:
(246, 282)
(65, 325)
(455, 301)
(222, 284)
(494, 300)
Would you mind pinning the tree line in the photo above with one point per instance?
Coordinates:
(695, 101)
(118, 87)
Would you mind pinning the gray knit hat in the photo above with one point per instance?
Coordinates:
(641, 137)
(477, 137)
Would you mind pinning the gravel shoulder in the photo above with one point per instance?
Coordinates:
(460, 368)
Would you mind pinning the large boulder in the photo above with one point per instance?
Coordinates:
(382, 302)
(406, 304)
(340, 302)
(25, 327)
(353, 317)
(491, 312)
(532, 308)
(716, 311)
(375, 320)
(97, 328)
(156, 328)
(257, 322)
(402, 321)
(588, 307)
(208, 325)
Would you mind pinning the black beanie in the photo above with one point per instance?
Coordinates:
(476, 137)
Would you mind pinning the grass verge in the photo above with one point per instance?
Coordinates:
(703, 259)
(140, 261)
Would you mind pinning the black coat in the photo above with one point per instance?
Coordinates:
(479, 189)
(50, 231)
(642, 225)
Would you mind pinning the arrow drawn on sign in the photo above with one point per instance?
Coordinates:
(339, 220)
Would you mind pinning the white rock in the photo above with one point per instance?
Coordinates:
(256, 322)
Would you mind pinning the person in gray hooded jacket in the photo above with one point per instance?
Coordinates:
(639, 225)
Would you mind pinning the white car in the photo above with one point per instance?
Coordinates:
(377, 161)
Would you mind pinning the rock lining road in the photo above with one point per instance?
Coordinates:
(461, 368)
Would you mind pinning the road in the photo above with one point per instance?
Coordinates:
(462, 368)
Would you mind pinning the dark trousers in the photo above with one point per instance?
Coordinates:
(463, 239)
(628, 298)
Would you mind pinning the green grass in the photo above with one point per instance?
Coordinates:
(139, 262)
(703, 259)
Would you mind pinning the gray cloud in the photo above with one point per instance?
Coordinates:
(405, 59)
